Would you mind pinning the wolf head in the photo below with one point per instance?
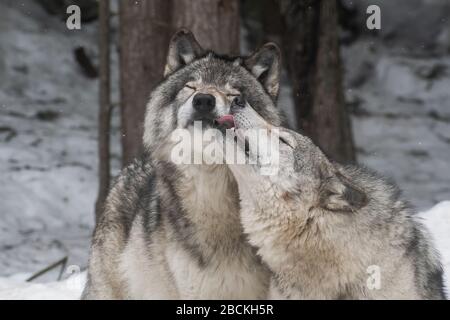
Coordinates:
(303, 172)
(200, 85)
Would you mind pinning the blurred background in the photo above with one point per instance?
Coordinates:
(68, 98)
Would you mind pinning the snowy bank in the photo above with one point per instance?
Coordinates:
(15, 288)
(437, 220)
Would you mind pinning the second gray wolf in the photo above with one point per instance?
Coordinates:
(328, 231)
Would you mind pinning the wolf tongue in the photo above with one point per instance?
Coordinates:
(227, 120)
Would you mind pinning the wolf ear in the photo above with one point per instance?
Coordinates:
(183, 49)
(339, 194)
(265, 65)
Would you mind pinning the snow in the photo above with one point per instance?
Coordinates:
(48, 141)
(400, 104)
(400, 108)
(13, 288)
(437, 220)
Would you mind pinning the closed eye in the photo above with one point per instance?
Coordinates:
(232, 95)
(284, 141)
(190, 87)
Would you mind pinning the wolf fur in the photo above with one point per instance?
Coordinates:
(329, 231)
(172, 231)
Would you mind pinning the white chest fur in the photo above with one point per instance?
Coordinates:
(240, 277)
(209, 196)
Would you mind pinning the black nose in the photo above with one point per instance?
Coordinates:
(204, 103)
(237, 103)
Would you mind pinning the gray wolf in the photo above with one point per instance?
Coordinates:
(172, 231)
(328, 231)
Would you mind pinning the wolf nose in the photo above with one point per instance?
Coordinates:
(204, 103)
(237, 103)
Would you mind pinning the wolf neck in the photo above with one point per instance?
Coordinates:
(210, 198)
(277, 222)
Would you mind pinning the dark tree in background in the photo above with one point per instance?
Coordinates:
(307, 31)
(311, 47)
(104, 116)
(215, 23)
(144, 34)
(145, 31)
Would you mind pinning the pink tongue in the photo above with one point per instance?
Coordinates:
(227, 120)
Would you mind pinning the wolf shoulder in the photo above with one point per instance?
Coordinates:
(131, 198)
(133, 193)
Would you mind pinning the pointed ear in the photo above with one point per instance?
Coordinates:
(265, 64)
(183, 49)
(338, 193)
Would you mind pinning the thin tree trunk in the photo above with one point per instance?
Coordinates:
(311, 46)
(145, 31)
(104, 116)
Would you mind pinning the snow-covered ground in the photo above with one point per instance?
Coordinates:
(15, 288)
(401, 117)
(400, 109)
(438, 222)
(48, 146)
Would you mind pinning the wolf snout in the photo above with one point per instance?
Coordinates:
(237, 104)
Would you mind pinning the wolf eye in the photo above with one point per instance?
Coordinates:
(233, 95)
(190, 87)
(284, 141)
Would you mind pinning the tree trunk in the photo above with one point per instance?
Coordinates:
(145, 31)
(215, 23)
(104, 116)
(311, 47)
